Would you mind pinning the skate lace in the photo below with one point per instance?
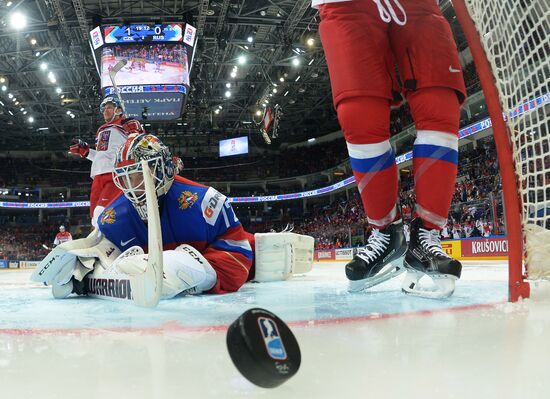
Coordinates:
(376, 245)
(388, 15)
(431, 241)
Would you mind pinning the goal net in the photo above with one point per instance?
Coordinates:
(512, 39)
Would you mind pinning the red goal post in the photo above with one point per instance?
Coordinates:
(510, 44)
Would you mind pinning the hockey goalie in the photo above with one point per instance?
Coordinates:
(165, 236)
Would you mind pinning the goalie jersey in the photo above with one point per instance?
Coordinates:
(193, 214)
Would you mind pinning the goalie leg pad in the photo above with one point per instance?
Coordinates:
(185, 269)
(281, 255)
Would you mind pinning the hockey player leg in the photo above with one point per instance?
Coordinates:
(435, 152)
(365, 121)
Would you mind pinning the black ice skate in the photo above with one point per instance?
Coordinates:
(380, 260)
(426, 257)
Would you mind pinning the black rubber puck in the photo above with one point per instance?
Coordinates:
(263, 348)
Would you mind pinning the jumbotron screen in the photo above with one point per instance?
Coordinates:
(147, 64)
(234, 146)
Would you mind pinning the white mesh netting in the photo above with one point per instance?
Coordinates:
(516, 37)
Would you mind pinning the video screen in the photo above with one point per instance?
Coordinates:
(146, 64)
(234, 146)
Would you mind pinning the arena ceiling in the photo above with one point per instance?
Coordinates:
(56, 35)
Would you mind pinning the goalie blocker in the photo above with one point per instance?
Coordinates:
(94, 266)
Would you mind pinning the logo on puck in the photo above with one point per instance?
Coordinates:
(272, 338)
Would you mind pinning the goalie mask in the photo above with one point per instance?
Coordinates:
(128, 173)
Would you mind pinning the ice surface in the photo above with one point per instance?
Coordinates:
(378, 344)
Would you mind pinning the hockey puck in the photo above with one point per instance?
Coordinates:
(263, 348)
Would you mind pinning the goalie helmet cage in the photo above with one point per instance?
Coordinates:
(510, 44)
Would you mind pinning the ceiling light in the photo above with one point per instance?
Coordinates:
(8, 4)
(73, 116)
(17, 103)
(310, 42)
(24, 112)
(311, 62)
(22, 109)
(68, 112)
(246, 47)
(31, 119)
(298, 78)
(2, 80)
(33, 41)
(43, 66)
(216, 111)
(228, 85)
(295, 61)
(228, 94)
(58, 90)
(258, 112)
(9, 112)
(274, 90)
(18, 21)
(37, 54)
(10, 95)
(249, 39)
(4, 88)
(281, 79)
(233, 74)
(14, 99)
(242, 59)
(286, 92)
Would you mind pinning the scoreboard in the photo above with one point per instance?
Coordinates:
(154, 82)
(140, 33)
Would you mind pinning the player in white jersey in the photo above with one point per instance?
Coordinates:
(111, 135)
(62, 236)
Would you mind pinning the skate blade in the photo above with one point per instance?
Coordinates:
(444, 285)
(388, 272)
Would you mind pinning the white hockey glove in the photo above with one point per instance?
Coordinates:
(74, 259)
(185, 269)
(281, 255)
